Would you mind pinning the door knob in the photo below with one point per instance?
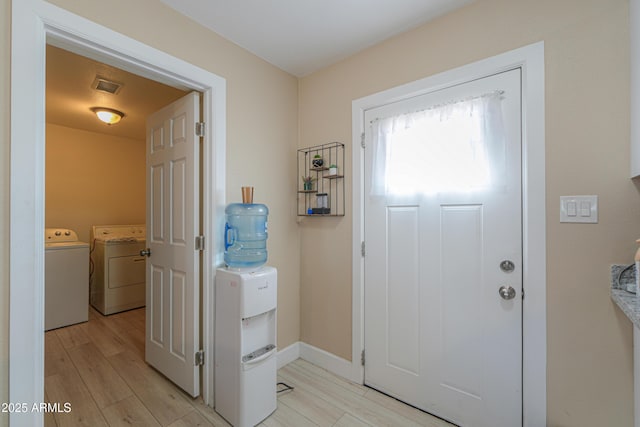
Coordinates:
(145, 252)
(507, 292)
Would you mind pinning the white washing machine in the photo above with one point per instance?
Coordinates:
(118, 273)
(66, 278)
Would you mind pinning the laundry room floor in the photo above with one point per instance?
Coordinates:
(98, 368)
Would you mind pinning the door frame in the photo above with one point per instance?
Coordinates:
(34, 24)
(530, 59)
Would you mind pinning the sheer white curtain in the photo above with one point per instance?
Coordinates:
(458, 146)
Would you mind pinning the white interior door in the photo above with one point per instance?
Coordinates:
(438, 334)
(172, 334)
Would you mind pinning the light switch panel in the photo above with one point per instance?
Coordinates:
(581, 209)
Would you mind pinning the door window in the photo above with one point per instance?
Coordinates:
(454, 147)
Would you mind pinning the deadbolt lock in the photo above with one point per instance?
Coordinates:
(507, 266)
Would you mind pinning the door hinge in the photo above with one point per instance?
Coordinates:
(363, 144)
(199, 128)
(199, 243)
(199, 359)
(522, 293)
(362, 249)
(362, 358)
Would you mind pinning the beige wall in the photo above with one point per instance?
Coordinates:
(91, 179)
(5, 54)
(262, 136)
(587, 149)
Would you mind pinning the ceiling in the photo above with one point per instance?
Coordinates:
(70, 95)
(303, 36)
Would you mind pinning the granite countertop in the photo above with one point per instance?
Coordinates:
(628, 302)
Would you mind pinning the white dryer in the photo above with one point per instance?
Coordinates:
(118, 273)
(66, 278)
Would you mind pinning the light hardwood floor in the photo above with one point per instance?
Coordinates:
(98, 367)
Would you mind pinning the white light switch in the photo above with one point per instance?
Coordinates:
(585, 208)
(582, 209)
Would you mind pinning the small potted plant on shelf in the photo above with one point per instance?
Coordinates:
(307, 183)
(317, 161)
(333, 169)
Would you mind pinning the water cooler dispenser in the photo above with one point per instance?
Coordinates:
(245, 345)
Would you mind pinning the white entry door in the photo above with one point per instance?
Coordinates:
(172, 333)
(443, 265)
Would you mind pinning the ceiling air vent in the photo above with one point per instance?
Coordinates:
(105, 85)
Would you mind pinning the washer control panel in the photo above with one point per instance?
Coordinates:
(56, 235)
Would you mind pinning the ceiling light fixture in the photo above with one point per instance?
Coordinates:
(108, 115)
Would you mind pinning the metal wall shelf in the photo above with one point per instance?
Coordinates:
(315, 162)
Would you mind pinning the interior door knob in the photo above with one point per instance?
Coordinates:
(145, 252)
(507, 292)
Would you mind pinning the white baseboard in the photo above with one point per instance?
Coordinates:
(332, 363)
(288, 354)
(321, 358)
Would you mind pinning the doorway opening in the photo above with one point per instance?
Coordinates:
(95, 184)
(34, 24)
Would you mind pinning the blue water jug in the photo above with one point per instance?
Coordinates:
(245, 244)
